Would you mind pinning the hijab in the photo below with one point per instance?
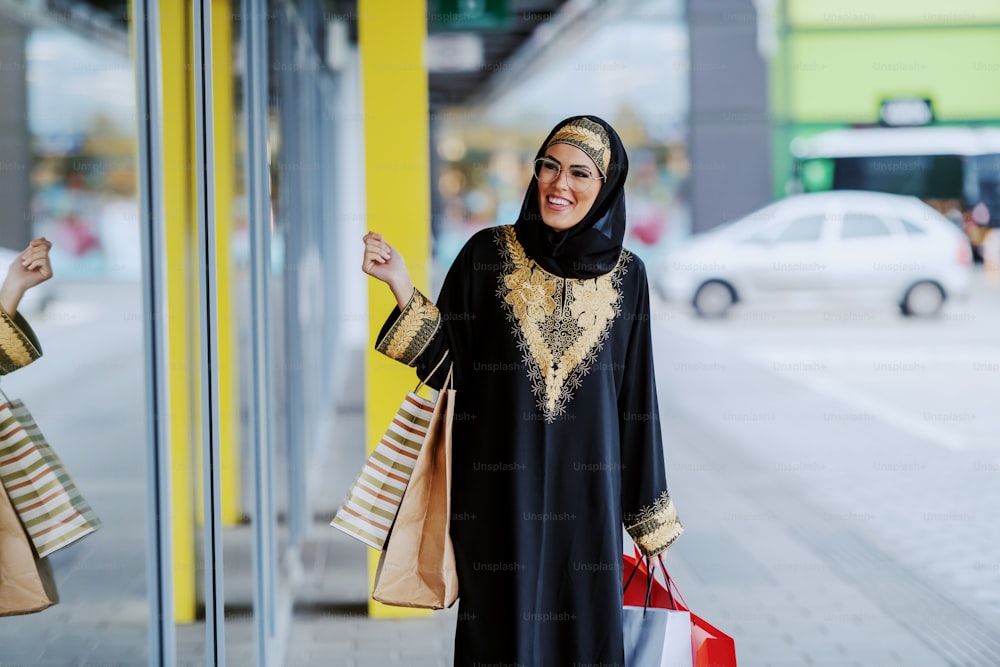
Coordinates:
(591, 247)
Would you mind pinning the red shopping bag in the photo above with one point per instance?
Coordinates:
(710, 647)
(635, 596)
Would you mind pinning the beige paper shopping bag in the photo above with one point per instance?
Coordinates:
(26, 582)
(417, 566)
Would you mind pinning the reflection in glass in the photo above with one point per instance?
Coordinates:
(69, 128)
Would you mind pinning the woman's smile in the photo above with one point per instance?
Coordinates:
(557, 203)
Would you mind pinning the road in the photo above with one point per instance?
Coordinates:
(814, 450)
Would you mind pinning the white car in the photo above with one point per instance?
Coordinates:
(862, 247)
(37, 298)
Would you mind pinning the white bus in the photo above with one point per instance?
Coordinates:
(956, 170)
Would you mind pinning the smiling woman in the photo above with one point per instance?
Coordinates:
(547, 323)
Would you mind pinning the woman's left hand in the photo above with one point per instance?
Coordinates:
(31, 268)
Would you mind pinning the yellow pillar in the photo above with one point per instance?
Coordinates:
(397, 174)
(182, 348)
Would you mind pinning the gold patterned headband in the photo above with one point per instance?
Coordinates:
(589, 137)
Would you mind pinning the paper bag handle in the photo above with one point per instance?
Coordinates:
(433, 371)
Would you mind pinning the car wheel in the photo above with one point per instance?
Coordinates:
(713, 298)
(923, 299)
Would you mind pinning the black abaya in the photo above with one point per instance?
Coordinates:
(557, 445)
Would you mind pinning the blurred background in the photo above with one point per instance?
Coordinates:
(814, 188)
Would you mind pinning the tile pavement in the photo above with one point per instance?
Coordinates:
(793, 583)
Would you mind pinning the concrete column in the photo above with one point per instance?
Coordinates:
(730, 130)
(15, 143)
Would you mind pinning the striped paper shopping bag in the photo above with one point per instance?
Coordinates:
(42, 492)
(372, 502)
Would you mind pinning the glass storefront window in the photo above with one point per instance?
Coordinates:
(68, 173)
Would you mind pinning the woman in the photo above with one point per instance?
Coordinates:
(18, 344)
(556, 434)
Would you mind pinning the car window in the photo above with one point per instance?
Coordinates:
(862, 225)
(912, 228)
(803, 229)
(761, 236)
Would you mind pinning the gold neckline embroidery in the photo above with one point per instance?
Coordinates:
(560, 323)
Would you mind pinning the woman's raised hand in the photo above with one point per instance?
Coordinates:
(29, 269)
(384, 263)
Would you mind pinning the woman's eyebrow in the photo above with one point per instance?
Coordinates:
(572, 166)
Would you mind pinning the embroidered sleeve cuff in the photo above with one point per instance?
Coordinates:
(408, 336)
(18, 344)
(655, 528)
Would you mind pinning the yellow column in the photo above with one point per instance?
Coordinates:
(397, 174)
(222, 100)
(178, 188)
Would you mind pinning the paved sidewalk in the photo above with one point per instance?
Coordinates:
(793, 583)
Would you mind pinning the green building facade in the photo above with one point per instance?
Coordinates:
(832, 65)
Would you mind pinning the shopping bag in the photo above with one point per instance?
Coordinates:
(43, 494)
(373, 500)
(417, 566)
(710, 646)
(655, 629)
(27, 584)
(635, 594)
(656, 637)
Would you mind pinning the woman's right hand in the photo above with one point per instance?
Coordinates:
(381, 261)
(31, 268)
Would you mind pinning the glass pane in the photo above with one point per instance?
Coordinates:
(235, 302)
(924, 176)
(988, 171)
(68, 173)
(803, 229)
(857, 225)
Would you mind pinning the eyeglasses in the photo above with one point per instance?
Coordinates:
(579, 180)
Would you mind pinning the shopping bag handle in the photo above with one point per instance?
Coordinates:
(635, 569)
(671, 584)
(435, 369)
(650, 570)
(649, 581)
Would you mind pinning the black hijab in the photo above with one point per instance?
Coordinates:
(592, 246)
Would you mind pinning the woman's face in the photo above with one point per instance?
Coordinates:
(561, 207)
